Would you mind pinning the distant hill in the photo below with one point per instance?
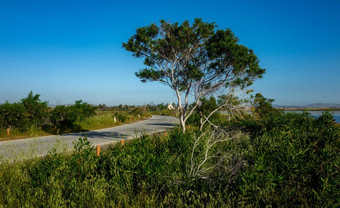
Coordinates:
(314, 105)
(323, 105)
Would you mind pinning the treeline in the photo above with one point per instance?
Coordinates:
(148, 107)
(31, 112)
(120, 110)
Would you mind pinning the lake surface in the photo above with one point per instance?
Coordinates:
(336, 114)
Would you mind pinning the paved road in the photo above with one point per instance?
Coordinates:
(31, 147)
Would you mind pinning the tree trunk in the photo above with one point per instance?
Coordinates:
(181, 120)
(181, 111)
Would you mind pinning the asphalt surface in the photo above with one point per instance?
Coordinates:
(40, 146)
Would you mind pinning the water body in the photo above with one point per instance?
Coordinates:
(336, 114)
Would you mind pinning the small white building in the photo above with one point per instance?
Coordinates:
(170, 106)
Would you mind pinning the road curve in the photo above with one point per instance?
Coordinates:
(33, 147)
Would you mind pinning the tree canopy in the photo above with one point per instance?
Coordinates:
(196, 59)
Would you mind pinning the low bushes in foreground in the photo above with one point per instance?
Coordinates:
(284, 161)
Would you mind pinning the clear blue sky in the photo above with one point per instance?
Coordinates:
(66, 50)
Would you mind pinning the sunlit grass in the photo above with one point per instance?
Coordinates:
(105, 119)
(15, 134)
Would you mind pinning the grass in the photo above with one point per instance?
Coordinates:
(102, 119)
(15, 134)
(105, 119)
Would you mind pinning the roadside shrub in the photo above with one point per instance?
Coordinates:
(30, 112)
(141, 111)
(14, 116)
(66, 116)
(36, 111)
(58, 116)
(82, 110)
(120, 117)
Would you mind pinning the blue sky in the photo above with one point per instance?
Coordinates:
(66, 50)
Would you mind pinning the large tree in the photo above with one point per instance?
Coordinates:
(196, 60)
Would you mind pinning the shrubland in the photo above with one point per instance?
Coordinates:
(266, 158)
(277, 160)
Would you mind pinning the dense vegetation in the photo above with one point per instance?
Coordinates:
(31, 112)
(32, 117)
(282, 160)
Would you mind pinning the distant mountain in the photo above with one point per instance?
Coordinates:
(323, 105)
(314, 105)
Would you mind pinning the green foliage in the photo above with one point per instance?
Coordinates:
(57, 180)
(67, 115)
(31, 114)
(134, 112)
(28, 113)
(207, 105)
(120, 117)
(14, 116)
(286, 160)
(82, 110)
(263, 106)
(201, 44)
(194, 59)
(294, 161)
(31, 117)
(59, 116)
(158, 107)
(37, 111)
(161, 109)
(204, 109)
(224, 108)
(141, 111)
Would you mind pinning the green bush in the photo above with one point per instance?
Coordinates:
(58, 116)
(81, 110)
(66, 116)
(120, 117)
(14, 116)
(292, 161)
(29, 113)
(141, 111)
(262, 107)
(204, 109)
(37, 111)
